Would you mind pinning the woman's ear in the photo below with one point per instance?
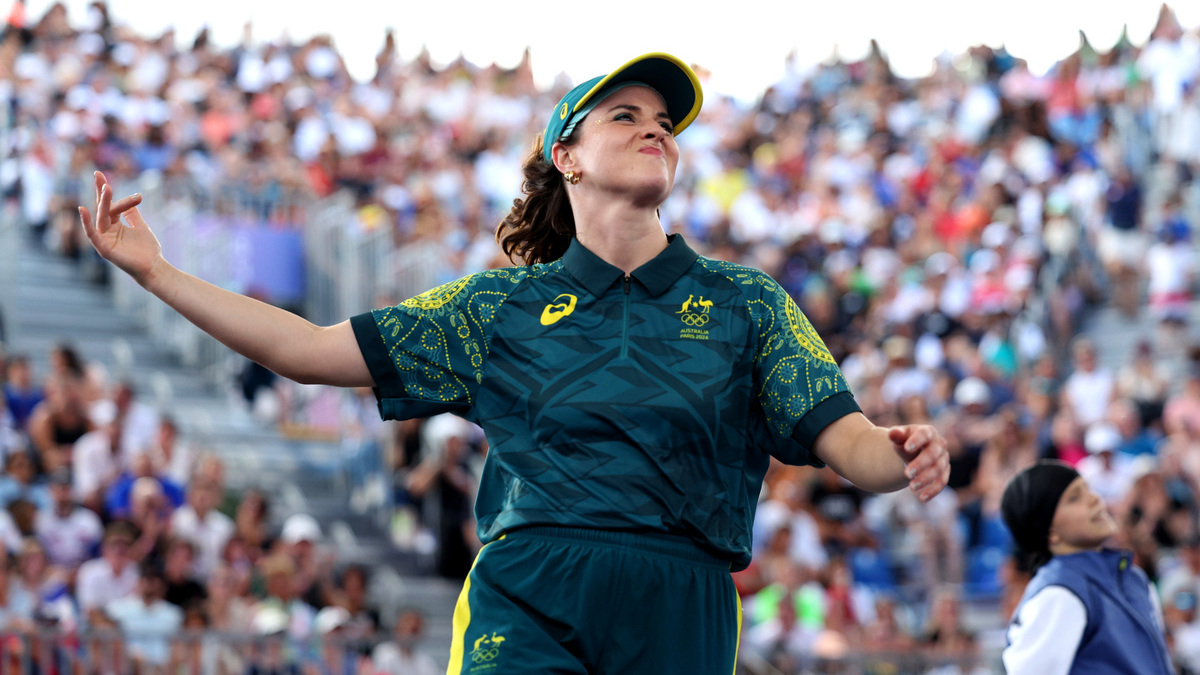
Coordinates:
(564, 157)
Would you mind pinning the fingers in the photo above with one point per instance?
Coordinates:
(927, 464)
(124, 205)
(911, 438)
(133, 216)
(109, 212)
(103, 205)
(100, 180)
(88, 228)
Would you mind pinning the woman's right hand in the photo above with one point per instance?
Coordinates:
(130, 246)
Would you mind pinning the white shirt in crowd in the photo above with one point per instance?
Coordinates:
(10, 535)
(1111, 483)
(209, 535)
(138, 433)
(1170, 268)
(69, 539)
(98, 584)
(147, 628)
(178, 468)
(1090, 393)
(93, 464)
(389, 660)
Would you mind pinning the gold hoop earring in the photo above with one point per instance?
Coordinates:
(573, 177)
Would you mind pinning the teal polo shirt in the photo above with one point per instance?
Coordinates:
(651, 402)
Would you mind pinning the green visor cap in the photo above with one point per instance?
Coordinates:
(670, 77)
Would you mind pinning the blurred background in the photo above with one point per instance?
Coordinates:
(989, 238)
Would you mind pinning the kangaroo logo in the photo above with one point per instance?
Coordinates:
(691, 303)
(694, 312)
(557, 310)
(487, 648)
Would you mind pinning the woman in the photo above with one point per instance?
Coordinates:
(1087, 609)
(58, 421)
(631, 391)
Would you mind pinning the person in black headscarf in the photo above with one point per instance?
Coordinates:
(1087, 609)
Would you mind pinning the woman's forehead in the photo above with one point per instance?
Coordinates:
(637, 94)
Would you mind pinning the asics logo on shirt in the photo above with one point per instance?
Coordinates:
(557, 310)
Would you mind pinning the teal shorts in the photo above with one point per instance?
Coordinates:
(594, 602)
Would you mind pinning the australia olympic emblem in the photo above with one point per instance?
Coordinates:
(694, 315)
(487, 648)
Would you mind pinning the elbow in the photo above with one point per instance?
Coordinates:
(304, 377)
(881, 485)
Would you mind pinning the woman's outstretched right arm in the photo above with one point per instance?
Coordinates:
(284, 342)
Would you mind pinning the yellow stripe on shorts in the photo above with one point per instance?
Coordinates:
(462, 619)
(737, 645)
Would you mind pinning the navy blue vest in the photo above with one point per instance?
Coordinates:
(1122, 636)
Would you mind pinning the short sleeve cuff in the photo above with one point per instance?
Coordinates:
(370, 342)
(825, 413)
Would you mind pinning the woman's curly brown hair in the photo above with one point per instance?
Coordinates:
(540, 226)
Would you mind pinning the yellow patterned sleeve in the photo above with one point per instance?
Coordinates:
(800, 387)
(427, 354)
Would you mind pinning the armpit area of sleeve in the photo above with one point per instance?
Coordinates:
(825, 413)
(370, 342)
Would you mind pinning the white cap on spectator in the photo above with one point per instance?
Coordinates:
(124, 54)
(299, 97)
(269, 620)
(929, 354)
(300, 527)
(446, 425)
(832, 231)
(939, 263)
(330, 619)
(395, 197)
(1101, 437)
(77, 98)
(157, 112)
(90, 44)
(984, 260)
(995, 235)
(31, 66)
(279, 68)
(321, 62)
(252, 72)
(972, 391)
(103, 412)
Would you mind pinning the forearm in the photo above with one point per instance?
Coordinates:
(285, 343)
(885, 459)
(871, 461)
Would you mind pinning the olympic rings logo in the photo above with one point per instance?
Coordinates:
(694, 320)
(484, 655)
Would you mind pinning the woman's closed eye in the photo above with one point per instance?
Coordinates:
(628, 117)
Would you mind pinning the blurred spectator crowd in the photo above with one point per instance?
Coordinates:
(111, 525)
(945, 235)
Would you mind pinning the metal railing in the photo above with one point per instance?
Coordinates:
(10, 232)
(192, 652)
(350, 265)
(200, 652)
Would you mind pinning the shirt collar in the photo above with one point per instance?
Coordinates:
(657, 275)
